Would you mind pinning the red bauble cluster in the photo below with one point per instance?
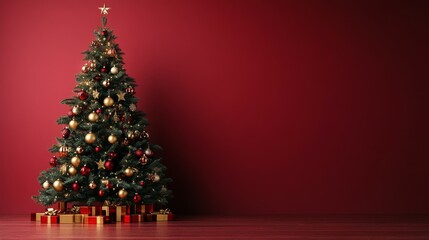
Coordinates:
(85, 170)
(66, 133)
(113, 154)
(83, 95)
(76, 186)
(53, 161)
(137, 198)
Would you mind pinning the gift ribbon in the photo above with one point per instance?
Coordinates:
(51, 212)
(164, 211)
(75, 210)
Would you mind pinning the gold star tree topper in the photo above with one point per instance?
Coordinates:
(104, 9)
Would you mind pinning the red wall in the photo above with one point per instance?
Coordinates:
(261, 106)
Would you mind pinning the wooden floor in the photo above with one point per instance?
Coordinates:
(262, 227)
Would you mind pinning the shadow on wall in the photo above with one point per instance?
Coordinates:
(171, 125)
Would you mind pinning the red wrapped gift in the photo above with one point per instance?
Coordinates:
(130, 218)
(49, 219)
(33, 216)
(148, 208)
(90, 210)
(149, 217)
(97, 219)
(170, 217)
(140, 209)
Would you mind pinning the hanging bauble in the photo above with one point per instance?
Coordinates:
(97, 149)
(126, 142)
(111, 52)
(46, 184)
(65, 132)
(76, 110)
(108, 165)
(148, 152)
(129, 172)
(97, 78)
(85, 68)
(98, 111)
(137, 198)
(90, 138)
(53, 161)
(80, 150)
(64, 151)
(109, 185)
(130, 90)
(92, 64)
(93, 117)
(108, 101)
(75, 161)
(76, 186)
(143, 160)
(114, 70)
(122, 193)
(141, 183)
(104, 181)
(131, 135)
(58, 185)
(84, 171)
(104, 33)
(112, 139)
(103, 69)
(63, 168)
(72, 171)
(139, 152)
(83, 95)
(106, 83)
(70, 113)
(101, 193)
(113, 154)
(73, 124)
(92, 185)
(156, 178)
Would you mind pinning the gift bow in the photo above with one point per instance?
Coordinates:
(51, 212)
(164, 211)
(75, 209)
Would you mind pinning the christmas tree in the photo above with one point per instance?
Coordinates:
(104, 154)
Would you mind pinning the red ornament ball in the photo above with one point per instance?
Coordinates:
(103, 69)
(104, 33)
(76, 186)
(98, 111)
(83, 95)
(85, 170)
(97, 78)
(101, 193)
(66, 133)
(70, 113)
(137, 198)
(53, 161)
(109, 185)
(108, 165)
(97, 149)
(141, 183)
(113, 154)
(139, 152)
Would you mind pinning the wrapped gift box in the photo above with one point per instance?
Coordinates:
(90, 210)
(97, 219)
(149, 217)
(78, 218)
(148, 208)
(130, 218)
(66, 218)
(170, 217)
(161, 217)
(49, 219)
(33, 216)
(140, 209)
(108, 210)
(140, 217)
(37, 216)
(120, 211)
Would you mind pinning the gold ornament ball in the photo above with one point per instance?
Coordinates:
(73, 124)
(106, 83)
(92, 185)
(129, 172)
(156, 178)
(79, 150)
(111, 52)
(108, 101)
(114, 70)
(72, 171)
(58, 185)
(104, 181)
(122, 193)
(148, 152)
(90, 138)
(64, 151)
(112, 139)
(75, 161)
(76, 110)
(85, 68)
(131, 135)
(46, 184)
(93, 117)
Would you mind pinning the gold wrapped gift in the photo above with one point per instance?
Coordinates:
(66, 218)
(120, 210)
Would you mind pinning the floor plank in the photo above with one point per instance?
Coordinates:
(261, 227)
